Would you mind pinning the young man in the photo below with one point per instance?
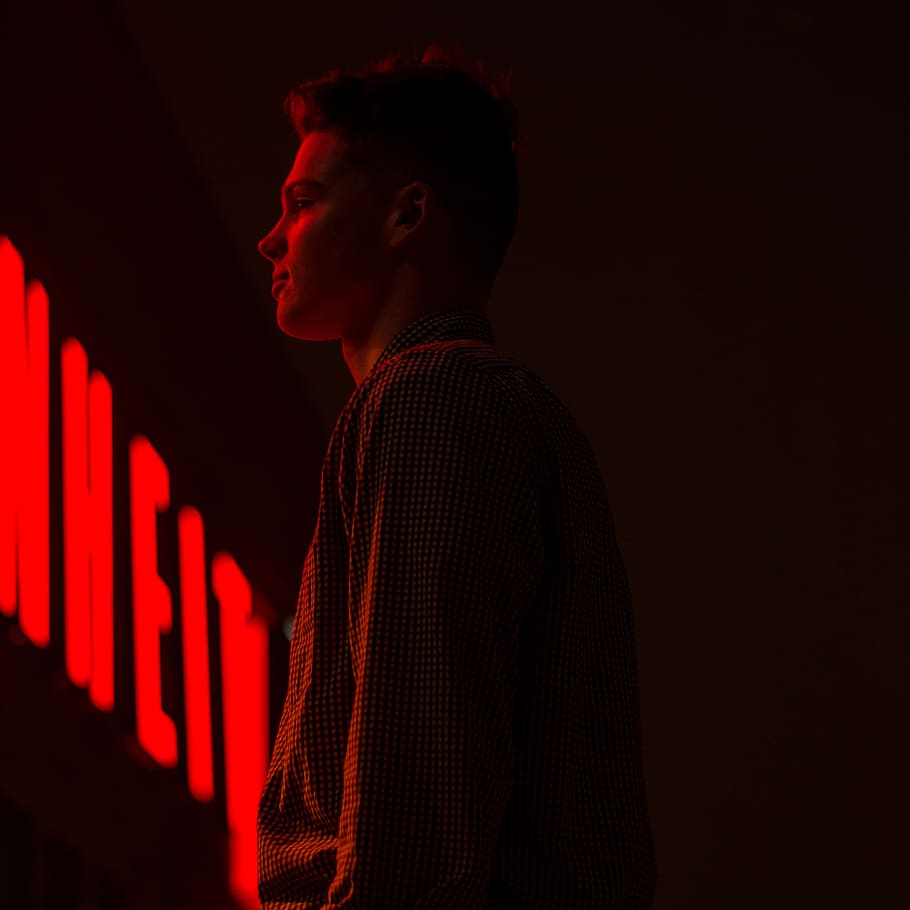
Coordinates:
(461, 728)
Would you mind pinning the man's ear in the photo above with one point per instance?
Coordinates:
(410, 212)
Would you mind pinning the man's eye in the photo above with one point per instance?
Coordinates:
(301, 202)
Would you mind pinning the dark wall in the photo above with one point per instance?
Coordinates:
(710, 269)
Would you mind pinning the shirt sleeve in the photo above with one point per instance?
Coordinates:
(445, 557)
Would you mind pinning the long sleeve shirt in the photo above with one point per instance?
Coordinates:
(462, 726)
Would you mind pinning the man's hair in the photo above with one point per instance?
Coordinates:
(444, 119)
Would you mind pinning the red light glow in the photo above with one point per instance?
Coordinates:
(149, 495)
(24, 470)
(197, 691)
(88, 533)
(89, 566)
(244, 660)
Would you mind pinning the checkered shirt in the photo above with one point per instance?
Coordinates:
(461, 727)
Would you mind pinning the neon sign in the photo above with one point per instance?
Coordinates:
(88, 569)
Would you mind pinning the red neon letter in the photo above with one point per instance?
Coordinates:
(149, 494)
(244, 670)
(197, 690)
(88, 525)
(24, 466)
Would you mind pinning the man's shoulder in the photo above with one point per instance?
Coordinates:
(431, 398)
(436, 359)
(448, 373)
(427, 390)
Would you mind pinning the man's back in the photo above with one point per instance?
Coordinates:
(462, 721)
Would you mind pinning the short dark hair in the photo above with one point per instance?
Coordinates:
(445, 119)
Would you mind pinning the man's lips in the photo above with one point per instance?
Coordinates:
(279, 280)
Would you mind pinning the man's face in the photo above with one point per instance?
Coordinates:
(327, 248)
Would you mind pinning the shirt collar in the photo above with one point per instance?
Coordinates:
(446, 325)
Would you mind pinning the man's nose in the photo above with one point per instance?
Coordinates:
(270, 246)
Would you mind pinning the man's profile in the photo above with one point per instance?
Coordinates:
(461, 727)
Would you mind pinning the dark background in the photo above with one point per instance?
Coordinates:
(710, 270)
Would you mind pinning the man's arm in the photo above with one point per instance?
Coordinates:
(446, 556)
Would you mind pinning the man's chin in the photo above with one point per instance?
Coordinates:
(295, 324)
(289, 321)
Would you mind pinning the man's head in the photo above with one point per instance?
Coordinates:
(416, 183)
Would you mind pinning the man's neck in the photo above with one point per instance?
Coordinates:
(361, 353)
